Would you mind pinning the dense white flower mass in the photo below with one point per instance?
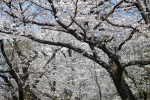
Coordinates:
(75, 49)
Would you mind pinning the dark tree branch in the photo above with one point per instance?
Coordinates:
(116, 6)
(40, 24)
(5, 78)
(71, 31)
(11, 14)
(109, 53)
(59, 30)
(2, 71)
(53, 8)
(99, 4)
(9, 4)
(79, 50)
(146, 5)
(5, 32)
(49, 60)
(127, 39)
(23, 17)
(93, 51)
(136, 63)
(131, 77)
(81, 28)
(28, 21)
(13, 73)
(141, 10)
(113, 24)
(75, 13)
(41, 6)
(96, 26)
(26, 8)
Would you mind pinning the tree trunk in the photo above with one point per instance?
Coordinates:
(122, 87)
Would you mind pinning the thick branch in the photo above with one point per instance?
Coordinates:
(59, 30)
(79, 50)
(136, 63)
(2, 71)
(40, 24)
(53, 8)
(94, 51)
(109, 53)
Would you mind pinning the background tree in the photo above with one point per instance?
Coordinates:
(116, 33)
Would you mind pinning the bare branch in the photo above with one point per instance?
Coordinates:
(59, 30)
(113, 24)
(40, 24)
(111, 12)
(131, 77)
(136, 63)
(53, 8)
(96, 26)
(28, 21)
(1, 71)
(99, 4)
(11, 14)
(6, 80)
(127, 39)
(5, 32)
(26, 8)
(140, 8)
(41, 6)
(52, 57)
(74, 12)
(81, 28)
(126, 1)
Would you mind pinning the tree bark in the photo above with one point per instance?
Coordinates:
(121, 86)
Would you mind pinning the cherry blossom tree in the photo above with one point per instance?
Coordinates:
(115, 32)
